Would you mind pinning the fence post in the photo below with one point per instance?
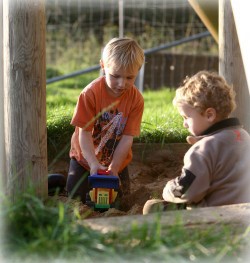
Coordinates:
(208, 13)
(25, 96)
(2, 147)
(241, 16)
(121, 18)
(230, 61)
(139, 82)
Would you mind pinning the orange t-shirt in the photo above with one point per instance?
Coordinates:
(108, 118)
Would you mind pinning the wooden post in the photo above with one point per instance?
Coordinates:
(121, 18)
(231, 63)
(207, 10)
(2, 146)
(25, 95)
(241, 16)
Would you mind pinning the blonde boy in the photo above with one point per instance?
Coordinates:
(107, 116)
(216, 168)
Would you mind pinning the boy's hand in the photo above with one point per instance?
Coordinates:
(94, 167)
(109, 172)
(113, 171)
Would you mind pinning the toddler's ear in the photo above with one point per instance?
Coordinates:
(211, 114)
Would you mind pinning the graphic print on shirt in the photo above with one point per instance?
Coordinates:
(237, 135)
(107, 133)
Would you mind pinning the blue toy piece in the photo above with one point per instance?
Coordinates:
(103, 181)
(104, 190)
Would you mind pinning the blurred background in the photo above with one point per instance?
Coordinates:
(77, 31)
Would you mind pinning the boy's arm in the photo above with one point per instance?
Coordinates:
(187, 188)
(88, 151)
(120, 153)
(172, 192)
(195, 179)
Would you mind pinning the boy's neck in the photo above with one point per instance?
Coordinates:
(222, 124)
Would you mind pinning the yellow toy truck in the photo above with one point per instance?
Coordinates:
(104, 190)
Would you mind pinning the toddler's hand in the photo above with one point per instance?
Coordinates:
(192, 139)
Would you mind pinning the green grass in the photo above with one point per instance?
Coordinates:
(160, 123)
(65, 92)
(37, 230)
(50, 231)
(61, 100)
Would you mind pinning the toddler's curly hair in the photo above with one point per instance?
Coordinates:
(206, 90)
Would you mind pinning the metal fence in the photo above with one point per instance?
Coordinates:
(140, 78)
(77, 30)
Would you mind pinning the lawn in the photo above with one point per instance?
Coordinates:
(48, 230)
(160, 123)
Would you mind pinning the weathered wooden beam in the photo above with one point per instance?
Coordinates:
(198, 217)
(208, 13)
(242, 20)
(230, 61)
(2, 145)
(25, 95)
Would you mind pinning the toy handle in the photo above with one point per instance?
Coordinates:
(103, 172)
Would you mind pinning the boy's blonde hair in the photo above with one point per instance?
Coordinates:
(206, 90)
(123, 53)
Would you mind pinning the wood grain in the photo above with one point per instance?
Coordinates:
(25, 95)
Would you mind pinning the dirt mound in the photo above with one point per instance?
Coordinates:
(152, 166)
